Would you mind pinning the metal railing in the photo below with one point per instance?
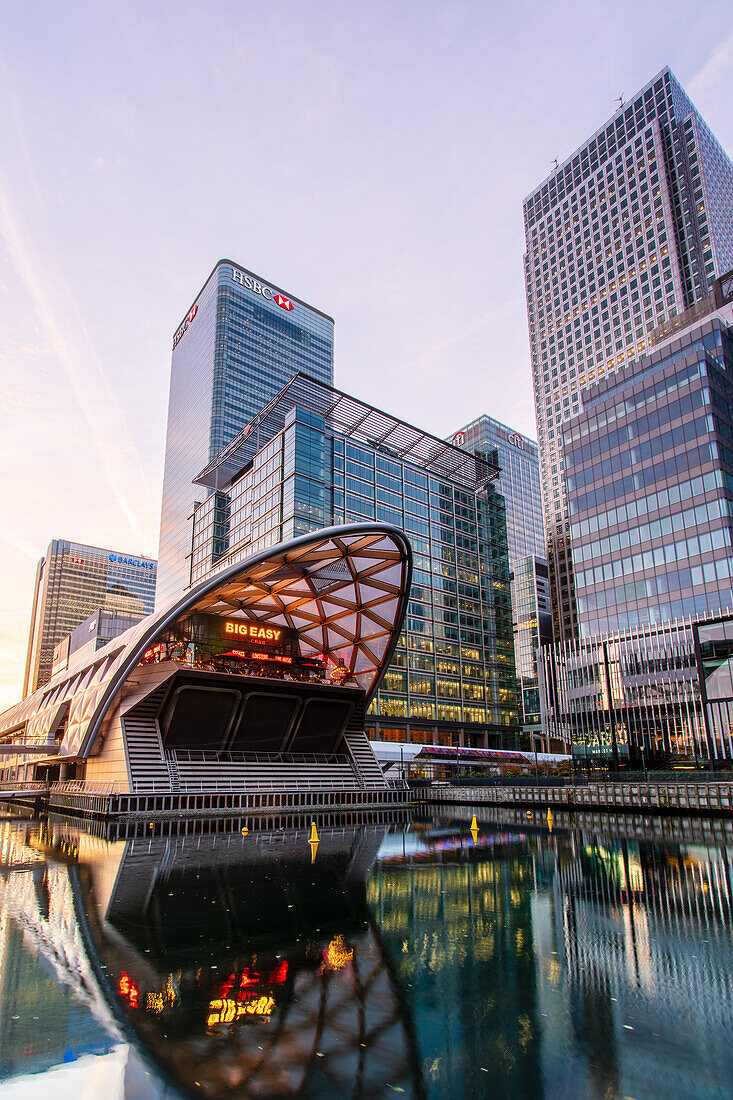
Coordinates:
(204, 756)
(295, 785)
(81, 786)
(22, 785)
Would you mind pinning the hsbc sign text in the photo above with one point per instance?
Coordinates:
(249, 283)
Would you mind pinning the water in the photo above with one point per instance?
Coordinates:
(399, 958)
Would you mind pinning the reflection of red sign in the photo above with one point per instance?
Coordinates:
(153, 652)
(241, 986)
(128, 989)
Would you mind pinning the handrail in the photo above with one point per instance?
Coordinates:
(234, 786)
(81, 786)
(203, 756)
(22, 785)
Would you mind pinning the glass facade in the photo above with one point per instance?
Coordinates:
(714, 646)
(649, 483)
(519, 484)
(452, 680)
(532, 628)
(633, 698)
(519, 480)
(73, 581)
(628, 232)
(239, 344)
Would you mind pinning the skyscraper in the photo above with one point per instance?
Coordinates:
(314, 457)
(649, 482)
(519, 483)
(519, 480)
(237, 346)
(72, 581)
(632, 229)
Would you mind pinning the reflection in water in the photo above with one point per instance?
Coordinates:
(410, 961)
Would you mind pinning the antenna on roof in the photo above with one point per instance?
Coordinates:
(619, 100)
(554, 163)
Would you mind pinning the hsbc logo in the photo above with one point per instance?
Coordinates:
(184, 327)
(261, 288)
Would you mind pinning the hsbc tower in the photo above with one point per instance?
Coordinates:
(240, 341)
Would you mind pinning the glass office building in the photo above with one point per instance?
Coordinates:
(519, 480)
(530, 587)
(649, 484)
(652, 697)
(239, 343)
(519, 484)
(629, 231)
(73, 581)
(314, 457)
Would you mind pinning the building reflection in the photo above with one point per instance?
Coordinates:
(237, 962)
(456, 921)
(575, 964)
(390, 959)
(647, 951)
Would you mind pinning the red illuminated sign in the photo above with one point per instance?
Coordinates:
(184, 327)
(264, 634)
(283, 302)
(279, 657)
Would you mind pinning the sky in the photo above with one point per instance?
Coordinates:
(370, 158)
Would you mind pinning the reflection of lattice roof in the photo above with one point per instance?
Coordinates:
(348, 416)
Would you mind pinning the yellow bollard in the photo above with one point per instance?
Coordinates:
(245, 830)
(314, 834)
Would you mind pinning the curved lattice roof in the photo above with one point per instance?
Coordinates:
(343, 590)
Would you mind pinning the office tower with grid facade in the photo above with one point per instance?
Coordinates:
(519, 483)
(314, 457)
(630, 231)
(649, 480)
(239, 343)
(72, 582)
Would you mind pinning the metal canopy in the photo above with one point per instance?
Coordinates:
(345, 415)
(344, 590)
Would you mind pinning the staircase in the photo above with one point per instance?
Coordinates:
(364, 761)
(252, 776)
(148, 768)
(173, 772)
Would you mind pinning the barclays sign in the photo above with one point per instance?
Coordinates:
(120, 559)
